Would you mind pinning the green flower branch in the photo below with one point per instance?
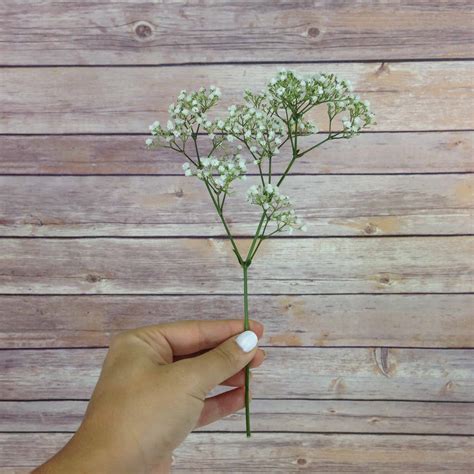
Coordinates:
(254, 132)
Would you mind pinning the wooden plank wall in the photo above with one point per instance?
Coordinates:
(369, 330)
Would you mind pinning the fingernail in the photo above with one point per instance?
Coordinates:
(247, 340)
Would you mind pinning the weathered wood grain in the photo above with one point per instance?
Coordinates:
(290, 266)
(182, 32)
(405, 96)
(306, 320)
(328, 373)
(276, 453)
(410, 152)
(323, 416)
(176, 205)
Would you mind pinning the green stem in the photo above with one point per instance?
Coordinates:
(248, 260)
(245, 265)
(247, 368)
(290, 164)
(329, 137)
(262, 237)
(219, 212)
(295, 150)
(261, 174)
(294, 146)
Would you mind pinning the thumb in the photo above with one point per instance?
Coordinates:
(220, 363)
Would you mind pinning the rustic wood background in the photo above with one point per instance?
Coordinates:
(369, 327)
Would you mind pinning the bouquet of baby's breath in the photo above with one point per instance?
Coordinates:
(254, 133)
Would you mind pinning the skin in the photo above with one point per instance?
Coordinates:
(151, 394)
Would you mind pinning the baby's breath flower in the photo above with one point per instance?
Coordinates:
(219, 172)
(277, 206)
(186, 116)
(263, 123)
(296, 92)
(254, 124)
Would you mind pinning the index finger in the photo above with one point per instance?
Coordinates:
(187, 337)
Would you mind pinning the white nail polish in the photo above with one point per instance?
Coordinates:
(247, 340)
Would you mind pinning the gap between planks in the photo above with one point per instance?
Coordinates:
(379, 60)
(277, 415)
(231, 452)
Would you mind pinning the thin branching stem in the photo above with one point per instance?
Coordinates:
(261, 173)
(254, 241)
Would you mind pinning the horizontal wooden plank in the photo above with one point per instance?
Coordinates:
(342, 373)
(306, 320)
(276, 453)
(181, 206)
(181, 32)
(187, 266)
(410, 152)
(322, 416)
(405, 96)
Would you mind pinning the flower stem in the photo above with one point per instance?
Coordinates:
(247, 368)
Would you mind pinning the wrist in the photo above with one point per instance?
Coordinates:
(80, 456)
(91, 450)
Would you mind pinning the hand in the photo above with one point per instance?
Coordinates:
(152, 393)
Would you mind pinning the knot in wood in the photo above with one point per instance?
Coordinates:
(313, 32)
(385, 279)
(93, 278)
(143, 30)
(301, 461)
(370, 228)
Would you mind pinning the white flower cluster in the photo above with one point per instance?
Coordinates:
(255, 125)
(359, 117)
(300, 93)
(277, 207)
(189, 111)
(219, 172)
(262, 123)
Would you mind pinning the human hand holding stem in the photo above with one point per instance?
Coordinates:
(263, 124)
